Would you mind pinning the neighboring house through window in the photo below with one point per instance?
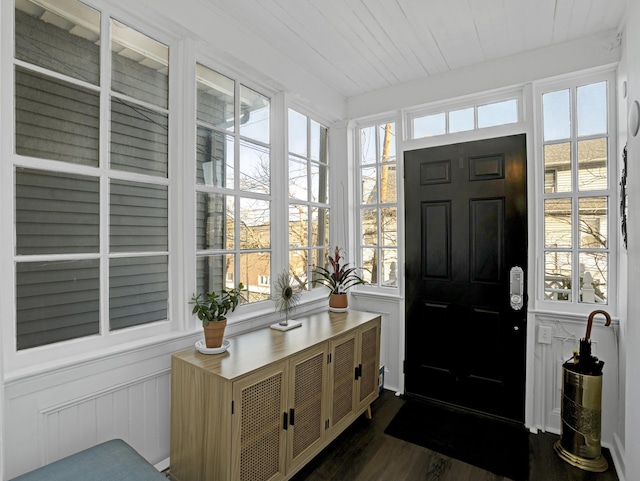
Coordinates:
(576, 141)
(91, 174)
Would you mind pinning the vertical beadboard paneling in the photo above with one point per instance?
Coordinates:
(566, 333)
(61, 412)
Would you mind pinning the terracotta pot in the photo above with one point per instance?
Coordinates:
(338, 301)
(214, 333)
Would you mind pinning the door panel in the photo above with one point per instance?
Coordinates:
(465, 208)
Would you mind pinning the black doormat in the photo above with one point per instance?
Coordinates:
(501, 447)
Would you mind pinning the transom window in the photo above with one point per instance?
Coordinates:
(472, 117)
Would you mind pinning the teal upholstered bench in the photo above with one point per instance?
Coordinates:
(113, 460)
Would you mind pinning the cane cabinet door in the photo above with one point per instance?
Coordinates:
(342, 374)
(306, 426)
(259, 416)
(368, 368)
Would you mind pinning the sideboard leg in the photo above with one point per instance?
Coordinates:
(367, 414)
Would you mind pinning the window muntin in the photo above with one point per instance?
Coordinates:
(308, 184)
(63, 269)
(232, 206)
(576, 194)
(464, 119)
(378, 204)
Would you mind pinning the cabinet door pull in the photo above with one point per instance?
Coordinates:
(356, 375)
(292, 413)
(284, 421)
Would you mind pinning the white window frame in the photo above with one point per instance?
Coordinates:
(376, 124)
(572, 82)
(311, 292)
(473, 101)
(16, 362)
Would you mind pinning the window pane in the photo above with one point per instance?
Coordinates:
(556, 115)
(56, 213)
(317, 259)
(254, 115)
(298, 225)
(461, 120)
(56, 301)
(369, 227)
(139, 217)
(214, 156)
(319, 183)
(140, 65)
(592, 109)
(56, 120)
(255, 168)
(429, 126)
(370, 265)
(65, 41)
(298, 264)
(320, 226)
(389, 266)
(253, 267)
(298, 179)
(368, 153)
(557, 168)
(138, 291)
(388, 184)
(592, 164)
(255, 224)
(319, 142)
(214, 216)
(498, 113)
(593, 222)
(557, 276)
(215, 273)
(593, 277)
(215, 98)
(387, 137)
(297, 133)
(557, 223)
(368, 181)
(139, 139)
(389, 226)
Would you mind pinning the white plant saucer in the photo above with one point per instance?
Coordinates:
(290, 325)
(202, 347)
(338, 309)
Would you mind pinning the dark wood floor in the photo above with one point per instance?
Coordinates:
(364, 453)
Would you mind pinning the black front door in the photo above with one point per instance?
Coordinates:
(466, 228)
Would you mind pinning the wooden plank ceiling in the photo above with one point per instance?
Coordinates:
(359, 46)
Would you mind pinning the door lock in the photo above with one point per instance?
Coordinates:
(516, 288)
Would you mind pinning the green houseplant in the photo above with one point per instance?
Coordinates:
(338, 278)
(212, 308)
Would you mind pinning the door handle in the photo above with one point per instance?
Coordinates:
(516, 288)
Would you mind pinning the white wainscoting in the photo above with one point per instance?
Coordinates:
(58, 413)
(566, 335)
(392, 335)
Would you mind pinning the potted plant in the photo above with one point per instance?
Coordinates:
(211, 309)
(339, 278)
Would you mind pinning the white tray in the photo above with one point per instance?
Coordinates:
(202, 347)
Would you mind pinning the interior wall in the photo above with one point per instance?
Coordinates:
(632, 388)
(574, 56)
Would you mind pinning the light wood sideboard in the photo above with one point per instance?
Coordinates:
(264, 408)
